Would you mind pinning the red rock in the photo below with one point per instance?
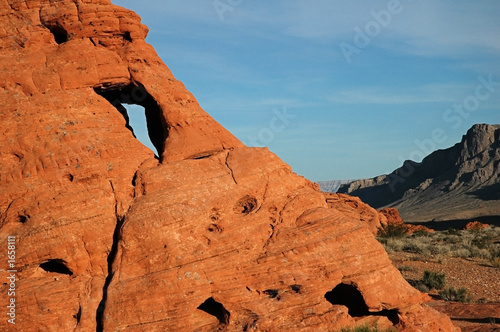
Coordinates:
(211, 235)
(475, 225)
(393, 218)
(353, 206)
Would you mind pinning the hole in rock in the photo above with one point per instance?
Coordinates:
(245, 205)
(56, 266)
(142, 113)
(59, 33)
(216, 309)
(272, 293)
(296, 288)
(215, 228)
(349, 296)
(23, 219)
(127, 36)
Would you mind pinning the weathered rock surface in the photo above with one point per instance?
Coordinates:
(458, 183)
(475, 225)
(354, 207)
(210, 235)
(394, 219)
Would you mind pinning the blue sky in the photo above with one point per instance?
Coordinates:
(338, 90)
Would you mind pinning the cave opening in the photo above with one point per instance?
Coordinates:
(60, 34)
(216, 309)
(142, 114)
(349, 296)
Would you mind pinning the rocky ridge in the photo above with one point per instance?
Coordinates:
(458, 183)
(207, 235)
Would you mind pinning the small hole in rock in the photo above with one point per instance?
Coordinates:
(215, 228)
(296, 288)
(23, 219)
(245, 205)
(69, 177)
(216, 309)
(127, 36)
(56, 266)
(272, 293)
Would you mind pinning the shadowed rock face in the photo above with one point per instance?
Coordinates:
(461, 182)
(208, 235)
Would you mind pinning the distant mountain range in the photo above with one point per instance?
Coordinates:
(458, 183)
(333, 185)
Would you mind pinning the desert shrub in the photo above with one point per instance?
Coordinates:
(495, 259)
(392, 230)
(481, 253)
(406, 268)
(420, 285)
(483, 244)
(434, 280)
(395, 244)
(462, 253)
(453, 231)
(452, 294)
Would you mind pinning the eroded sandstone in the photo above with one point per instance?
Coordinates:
(208, 234)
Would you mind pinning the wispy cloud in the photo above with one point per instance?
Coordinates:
(431, 93)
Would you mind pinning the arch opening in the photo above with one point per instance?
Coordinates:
(134, 103)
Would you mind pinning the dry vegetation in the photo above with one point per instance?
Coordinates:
(454, 265)
(482, 244)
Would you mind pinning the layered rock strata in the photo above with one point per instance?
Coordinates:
(206, 235)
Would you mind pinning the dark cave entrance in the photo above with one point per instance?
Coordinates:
(350, 296)
(59, 33)
(139, 101)
(216, 309)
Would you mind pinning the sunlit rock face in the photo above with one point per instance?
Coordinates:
(202, 234)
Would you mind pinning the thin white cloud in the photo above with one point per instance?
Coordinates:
(432, 93)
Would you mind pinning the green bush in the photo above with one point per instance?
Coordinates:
(392, 230)
(452, 294)
(434, 280)
(419, 284)
(495, 259)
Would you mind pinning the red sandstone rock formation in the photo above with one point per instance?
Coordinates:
(210, 235)
(394, 218)
(353, 206)
(475, 225)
